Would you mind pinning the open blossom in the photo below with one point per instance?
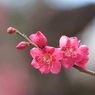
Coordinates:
(39, 39)
(73, 52)
(46, 59)
(22, 45)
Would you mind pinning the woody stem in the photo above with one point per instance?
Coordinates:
(84, 70)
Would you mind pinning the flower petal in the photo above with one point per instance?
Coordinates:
(57, 54)
(63, 41)
(84, 60)
(35, 64)
(84, 49)
(44, 69)
(32, 36)
(67, 62)
(56, 66)
(74, 42)
(82, 66)
(78, 56)
(22, 45)
(36, 51)
(39, 39)
(49, 49)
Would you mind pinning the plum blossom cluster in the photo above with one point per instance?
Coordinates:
(45, 58)
(50, 59)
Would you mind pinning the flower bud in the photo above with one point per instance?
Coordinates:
(39, 39)
(11, 30)
(22, 45)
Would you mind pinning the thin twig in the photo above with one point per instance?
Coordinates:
(25, 37)
(84, 70)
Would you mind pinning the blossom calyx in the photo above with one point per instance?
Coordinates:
(11, 30)
(39, 39)
(22, 45)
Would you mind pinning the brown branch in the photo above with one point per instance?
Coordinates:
(84, 70)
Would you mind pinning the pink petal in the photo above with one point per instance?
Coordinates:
(74, 42)
(39, 39)
(84, 60)
(67, 62)
(56, 66)
(84, 49)
(57, 54)
(63, 41)
(22, 45)
(36, 52)
(32, 36)
(44, 69)
(82, 66)
(35, 64)
(78, 56)
(49, 49)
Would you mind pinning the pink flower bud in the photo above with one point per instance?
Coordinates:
(22, 45)
(39, 39)
(11, 30)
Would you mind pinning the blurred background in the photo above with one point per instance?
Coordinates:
(54, 18)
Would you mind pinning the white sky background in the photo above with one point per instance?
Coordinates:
(58, 3)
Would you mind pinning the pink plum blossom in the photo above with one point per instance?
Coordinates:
(22, 45)
(73, 52)
(46, 59)
(39, 39)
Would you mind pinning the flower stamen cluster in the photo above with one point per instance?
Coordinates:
(45, 58)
